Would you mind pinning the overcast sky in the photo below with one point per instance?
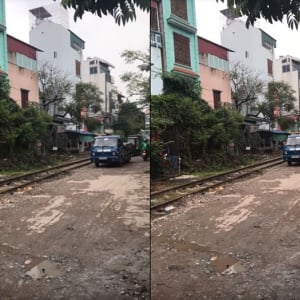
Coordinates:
(103, 38)
(209, 24)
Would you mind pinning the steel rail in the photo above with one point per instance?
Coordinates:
(204, 179)
(38, 176)
(162, 198)
(24, 176)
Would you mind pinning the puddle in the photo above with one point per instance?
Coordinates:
(222, 263)
(44, 269)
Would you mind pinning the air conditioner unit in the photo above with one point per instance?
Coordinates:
(156, 39)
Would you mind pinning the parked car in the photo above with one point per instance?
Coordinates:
(109, 150)
(291, 149)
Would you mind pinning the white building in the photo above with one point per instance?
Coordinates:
(61, 47)
(97, 71)
(287, 69)
(251, 46)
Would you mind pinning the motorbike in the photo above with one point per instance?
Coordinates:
(145, 155)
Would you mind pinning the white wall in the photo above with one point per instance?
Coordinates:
(240, 39)
(291, 77)
(99, 80)
(50, 38)
(156, 70)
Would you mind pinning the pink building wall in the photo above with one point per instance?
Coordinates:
(213, 79)
(21, 78)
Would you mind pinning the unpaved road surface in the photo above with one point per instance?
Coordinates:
(84, 235)
(241, 241)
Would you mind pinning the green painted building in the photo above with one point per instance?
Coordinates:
(180, 37)
(3, 40)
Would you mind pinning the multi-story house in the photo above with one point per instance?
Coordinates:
(61, 47)
(287, 69)
(156, 48)
(3, 39)
(251, 46)
(214, 70)
(22, 72)
(98, 72)
(177, 28)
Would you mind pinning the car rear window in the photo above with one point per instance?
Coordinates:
(293, 141)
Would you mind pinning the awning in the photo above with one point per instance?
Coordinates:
(86, 138)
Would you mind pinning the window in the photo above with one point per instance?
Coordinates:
(182, 49)
(270, 67)
(179, 8)
(217, 99)
(24, 98)
(295, 66)
(92, 62)
(77, 67)
(26, 62)
(285, 68)
(155, 39)
(246, 54)
(93, 70)
(218, 63)
(54, 54)
(153, 19)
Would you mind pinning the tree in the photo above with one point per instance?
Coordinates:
(87, 98)
(55, 86)
(4, 86)
(269, 10)
(20, 129)
(138, 83)
(122, 10)
(278, 96)
(246, 87)
(130, 119)
(181, 84)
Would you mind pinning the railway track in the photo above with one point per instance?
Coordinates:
(161, 199)
(15, 183)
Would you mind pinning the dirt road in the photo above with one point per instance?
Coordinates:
(241, 241)
(82, 236)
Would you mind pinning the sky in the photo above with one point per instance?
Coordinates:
(103, 37)
(210, 22)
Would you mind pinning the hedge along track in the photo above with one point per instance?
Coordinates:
(161, 199)
(14, 183)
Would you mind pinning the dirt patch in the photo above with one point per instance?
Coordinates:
(240, 241)
(84, 235)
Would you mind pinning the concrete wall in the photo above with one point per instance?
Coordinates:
(22, 78)
(291, 77)
(3, 39)
(156, 71)
(169, 29)
(213, 79)
(242, 40)
(53, 38)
